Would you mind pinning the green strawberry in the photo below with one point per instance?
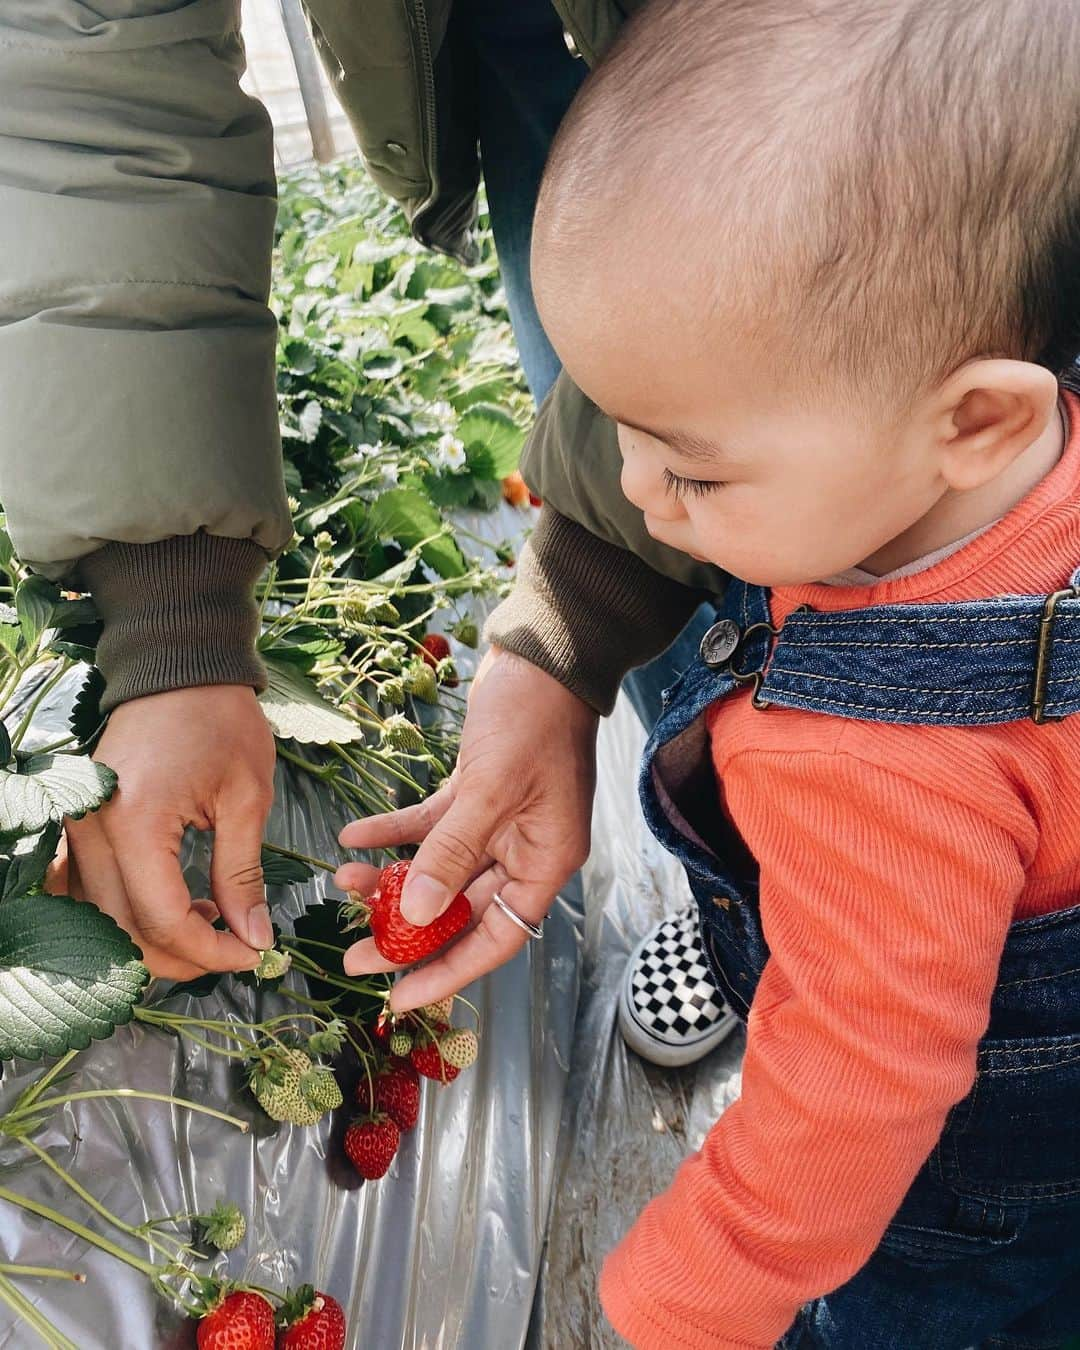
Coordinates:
(401, 734)
(459, 1047)
(276, 1085)
(420, 681)
(272, 964)
(320, 1088)
(401, 1042)
(391, 656)
(439, 1011)
(392, 691)
(224, 1227)
(466, 631)
(381, 609)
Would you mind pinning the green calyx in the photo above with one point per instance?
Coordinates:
(296, 1305)
(224, 1227)
(329, 1040)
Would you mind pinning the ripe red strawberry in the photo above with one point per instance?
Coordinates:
(397, 1092)
(371, 1144)
(241, 1321)
(435, 649)
(397, 939)
(534, 500)
(514, 489)
(435, 652)
(427, 1058)
(315, 1321)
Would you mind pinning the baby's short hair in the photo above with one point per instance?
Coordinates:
(897, 181)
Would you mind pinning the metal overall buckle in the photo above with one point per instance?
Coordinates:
(1042, 653)
(722, 646)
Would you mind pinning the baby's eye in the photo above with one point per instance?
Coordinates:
(689, 487)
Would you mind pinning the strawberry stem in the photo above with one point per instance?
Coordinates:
(301, 857)
(241, 1125)
(79, 1230)
(65, 664)
(95, 1204)
(43, 1272)
(39, 1085)
(33, 1317)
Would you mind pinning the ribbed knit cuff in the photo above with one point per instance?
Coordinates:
(587, 611)
(177, 613)
(632, 1306)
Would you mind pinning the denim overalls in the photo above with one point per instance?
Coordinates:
(985, 1249)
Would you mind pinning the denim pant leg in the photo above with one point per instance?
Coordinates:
(948, 1292)
(526, 80)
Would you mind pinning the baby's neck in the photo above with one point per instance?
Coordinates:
(959, 514)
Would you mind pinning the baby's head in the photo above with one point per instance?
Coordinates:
(820, 260)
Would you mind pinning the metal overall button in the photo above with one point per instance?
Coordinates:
(720, 643)
(723, 644)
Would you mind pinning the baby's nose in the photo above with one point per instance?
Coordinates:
(646, 491)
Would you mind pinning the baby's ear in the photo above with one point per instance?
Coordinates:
(988, 413)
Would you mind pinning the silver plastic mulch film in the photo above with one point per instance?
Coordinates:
(489, 1231)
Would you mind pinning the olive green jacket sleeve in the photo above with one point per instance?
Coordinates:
(595, 595)
(139, 450)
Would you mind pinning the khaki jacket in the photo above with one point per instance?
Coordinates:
(137, 203)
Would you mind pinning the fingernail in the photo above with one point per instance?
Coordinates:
(260, 929)
(422, 899)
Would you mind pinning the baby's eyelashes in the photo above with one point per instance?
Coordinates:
(679, 487)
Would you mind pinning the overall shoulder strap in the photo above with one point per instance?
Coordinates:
(970, 663)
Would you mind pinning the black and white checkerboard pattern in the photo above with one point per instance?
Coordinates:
(671, 991)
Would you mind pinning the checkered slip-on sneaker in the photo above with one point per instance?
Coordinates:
(670, 1011)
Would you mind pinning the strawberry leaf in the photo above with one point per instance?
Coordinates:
(279, 871)
(486, 427)
(407, 516)
(35, 601)
(48, 788)
(68, 975)
(297, 711)
(87, 721)
(32, 856)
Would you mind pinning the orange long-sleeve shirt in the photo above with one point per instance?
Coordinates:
(893, 859)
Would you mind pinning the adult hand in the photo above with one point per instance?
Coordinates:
(202, 756)
(514, 818)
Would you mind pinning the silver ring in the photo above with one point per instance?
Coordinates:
(533, 929)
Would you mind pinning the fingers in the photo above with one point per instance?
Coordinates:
(493, 941)
(450, 857)
(356, 877)
(407, 826)
(363, 958)
(147, 853)
(236, 877)
(89, 853)
(61, 875)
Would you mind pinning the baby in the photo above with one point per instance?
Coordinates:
(821, 263)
